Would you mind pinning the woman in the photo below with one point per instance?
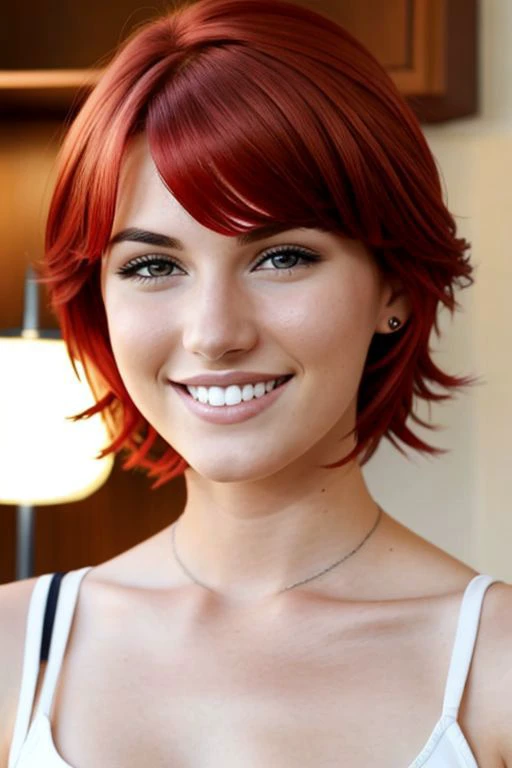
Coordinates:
(247, 247)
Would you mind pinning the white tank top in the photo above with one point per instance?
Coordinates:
(446, 746)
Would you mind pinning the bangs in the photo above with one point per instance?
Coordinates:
(240, 150)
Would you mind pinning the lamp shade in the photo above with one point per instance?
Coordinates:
(44, 457)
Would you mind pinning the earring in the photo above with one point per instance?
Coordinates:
(394, 323)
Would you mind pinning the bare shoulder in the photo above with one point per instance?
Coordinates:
(416, 567)
(14, 603)
(495, 640)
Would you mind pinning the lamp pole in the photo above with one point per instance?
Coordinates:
(24, 541)
(25, 512)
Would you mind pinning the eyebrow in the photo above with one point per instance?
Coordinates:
(136, 235)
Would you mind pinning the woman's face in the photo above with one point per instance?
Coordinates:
(228, 306)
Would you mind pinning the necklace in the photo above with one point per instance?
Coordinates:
(290, 586)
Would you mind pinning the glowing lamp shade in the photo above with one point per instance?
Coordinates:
(44, 457)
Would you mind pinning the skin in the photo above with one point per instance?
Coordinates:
(261, 513)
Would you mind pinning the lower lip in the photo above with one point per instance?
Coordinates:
(229, 414)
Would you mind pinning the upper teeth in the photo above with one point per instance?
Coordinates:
(232, 395)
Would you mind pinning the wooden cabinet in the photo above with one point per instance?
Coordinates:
(429, 48)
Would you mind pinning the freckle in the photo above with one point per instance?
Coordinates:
(323, 490)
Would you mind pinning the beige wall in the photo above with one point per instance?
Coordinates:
(462, 501)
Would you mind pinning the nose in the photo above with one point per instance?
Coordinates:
(218, 320)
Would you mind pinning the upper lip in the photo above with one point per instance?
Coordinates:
(225, 378)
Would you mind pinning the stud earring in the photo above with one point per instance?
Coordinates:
(394, 323)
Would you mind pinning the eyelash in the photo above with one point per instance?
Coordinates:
(129, 271)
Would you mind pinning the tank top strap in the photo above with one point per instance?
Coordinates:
(30, 668)
(465, 640)
(63, 619)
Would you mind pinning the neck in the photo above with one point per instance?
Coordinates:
(248, 541)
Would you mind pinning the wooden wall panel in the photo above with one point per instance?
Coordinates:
(27, 158)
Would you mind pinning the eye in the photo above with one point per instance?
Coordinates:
(155, 268)
(151, 268)
(287, 257)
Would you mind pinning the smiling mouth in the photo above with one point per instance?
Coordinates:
(220, 412)
(282, 380)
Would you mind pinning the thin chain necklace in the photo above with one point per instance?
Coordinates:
(290, 586)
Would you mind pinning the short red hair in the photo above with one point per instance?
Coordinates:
(259, 110)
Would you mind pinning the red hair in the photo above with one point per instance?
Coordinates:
(259, 111)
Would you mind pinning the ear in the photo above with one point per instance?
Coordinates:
(394, 304)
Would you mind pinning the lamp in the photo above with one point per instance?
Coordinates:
(44, 457)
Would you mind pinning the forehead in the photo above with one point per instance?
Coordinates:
(141, 190)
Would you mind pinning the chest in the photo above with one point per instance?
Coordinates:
(213, 692)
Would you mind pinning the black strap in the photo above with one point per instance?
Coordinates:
(49, 614)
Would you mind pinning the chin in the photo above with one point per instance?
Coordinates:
(223, 468)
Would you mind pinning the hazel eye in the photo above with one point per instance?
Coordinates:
(283, 255)
(156, 268)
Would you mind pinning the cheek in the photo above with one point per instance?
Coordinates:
(332, 329)
(139, 335)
